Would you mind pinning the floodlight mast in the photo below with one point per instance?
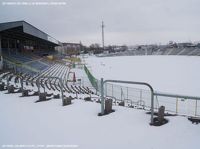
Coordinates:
(102, 27)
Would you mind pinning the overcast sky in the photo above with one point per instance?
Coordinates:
(127, 21)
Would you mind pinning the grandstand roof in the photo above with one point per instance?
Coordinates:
(26, 29)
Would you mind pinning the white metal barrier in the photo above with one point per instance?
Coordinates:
(175, 104)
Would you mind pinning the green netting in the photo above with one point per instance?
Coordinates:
(92, 79)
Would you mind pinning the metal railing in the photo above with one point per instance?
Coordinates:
(179, 104)
(126, 82)
(175, 104)
(56, 78)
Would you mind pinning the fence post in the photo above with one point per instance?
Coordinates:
(7, 81)
(152, 104)
(61, 89)
(112, 90)
(176, 105)
(102, 97)
(38, 85)
(127, 92)
(196, 108)
(22, 85)
(157, 102)
(121, 93)
(140, 94)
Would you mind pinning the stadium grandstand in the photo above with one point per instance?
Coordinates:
(29, 60)
(172, 48)
(23, 47)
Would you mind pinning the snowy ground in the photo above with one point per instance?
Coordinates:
(23, 122)
(172, 74)
(81, 75)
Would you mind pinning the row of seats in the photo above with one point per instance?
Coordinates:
(178, 51)
(29, 62)
(45, 83)
(38, 65)
(20, 58)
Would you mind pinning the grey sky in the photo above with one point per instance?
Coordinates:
(127, 21)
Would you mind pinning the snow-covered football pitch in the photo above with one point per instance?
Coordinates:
(174, 75)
